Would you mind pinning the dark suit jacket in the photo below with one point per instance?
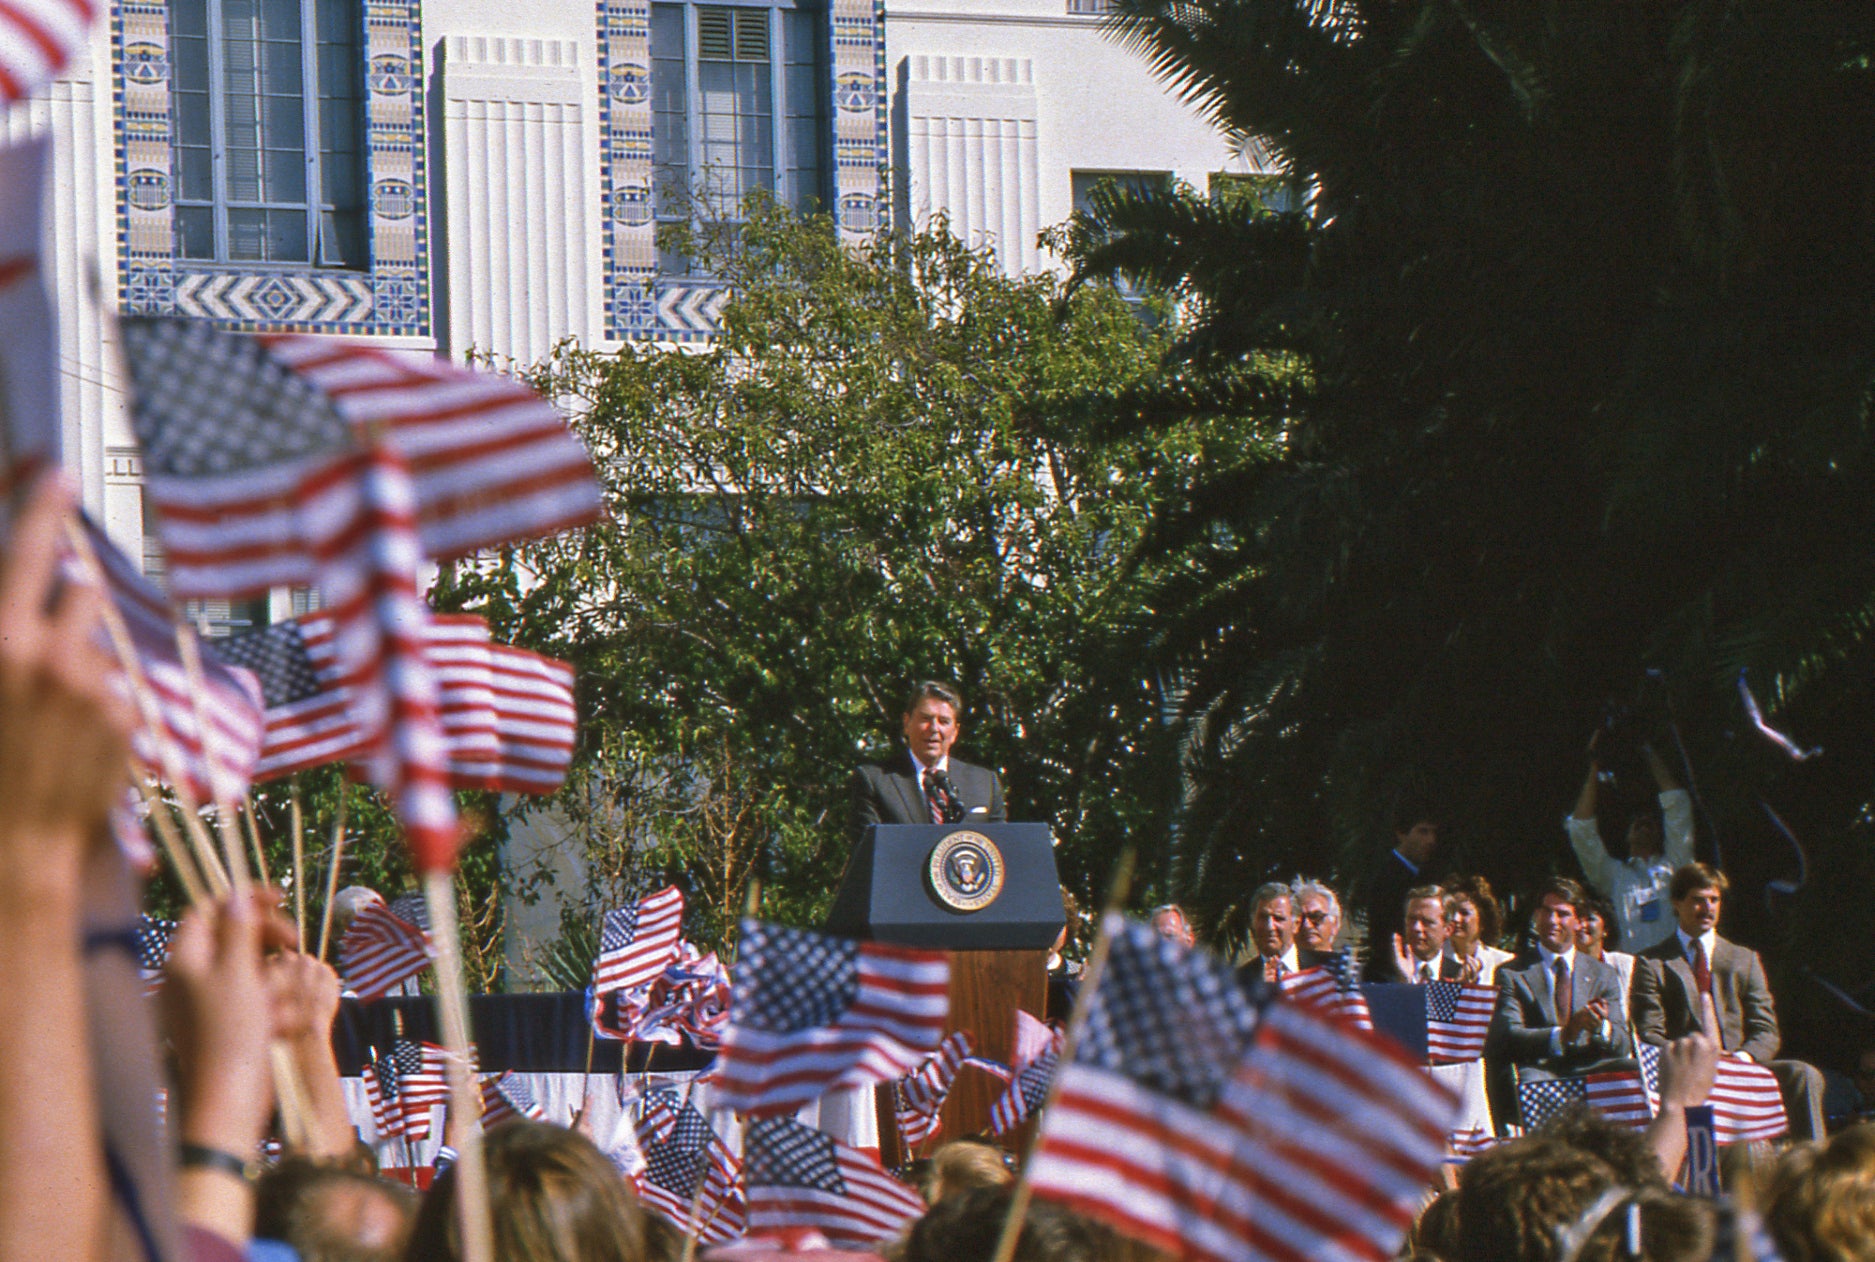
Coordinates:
(1250, 974)
(1666, 1002)
(1386, 915)
(1449, 970)
(888, 793)
(1526, 1014)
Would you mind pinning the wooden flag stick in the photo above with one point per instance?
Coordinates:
(332, 869)
(253, 838)
(147, 709)
(1023, 1191)
(171, 840)
(290, 1091)
(752, 903)
(226, 825)
(472, 1206)
(299, 865)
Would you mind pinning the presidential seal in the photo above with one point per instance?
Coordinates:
(966, 871)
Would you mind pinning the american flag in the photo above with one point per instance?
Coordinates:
(1746, 1104)
(234, 428)
(689, 1000)
(37, 38)
(293, 460)
(1027, 1092)
(493, 461)
(1458, 1016)
(681, 1152)
(221, 769)
(462, 656)
(799, 1177)
(402, 1085)
(812, 1013)
(1210, 1129)
(918, 1097)
(637, 943)
(152, 938)
(506, 1096)
(535, 720)
(309, 719)
(1332, 987)
(1463, 1145)
(381, 949)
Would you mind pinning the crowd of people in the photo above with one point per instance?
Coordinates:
(89, 1167)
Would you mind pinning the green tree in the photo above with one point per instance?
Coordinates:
(888, 467)
(1579, 349)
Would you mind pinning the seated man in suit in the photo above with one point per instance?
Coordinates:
(1419, 954)
(1559, 1011)
(927, 786)
(1273, 934)
(1671, 976)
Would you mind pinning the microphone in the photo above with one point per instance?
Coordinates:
(953, 805)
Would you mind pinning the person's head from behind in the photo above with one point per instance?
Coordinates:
(1171, 923)
(1513, 1198)
(1471, 914)
(347, 903)
(1272, 920)
(1651, 1225)
(961, 1166)
(332, 1215)
(1555, 917)
(1318, 916)
(1425, 922)
(556, 1198)
(966, 1227)
(1821, 1206)
(1697, 892)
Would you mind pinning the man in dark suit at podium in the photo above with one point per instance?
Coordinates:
(926, 785)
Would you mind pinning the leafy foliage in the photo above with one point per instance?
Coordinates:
(889, 467)
(1576, 350)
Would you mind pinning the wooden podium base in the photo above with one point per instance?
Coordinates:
(986, 989)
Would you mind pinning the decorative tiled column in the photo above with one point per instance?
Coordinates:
(861, 153)
(629, 253)
(392, 299)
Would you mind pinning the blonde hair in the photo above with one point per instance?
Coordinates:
(961, 1165)
(1822, 1201)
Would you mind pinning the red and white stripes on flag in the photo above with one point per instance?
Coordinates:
(505, 1096)
(37, 38)
(380, 950)
(1038, 1053)
(811, 1013)
(535, 720)
(309, 701)
(492, 461)
(462, 656)
(798, 1177)
(1458, 1017)
(362, 528)
(220, 767)
(686, 1165)
(1333, 988)
(919, 1096)
(1214, 1131)
(1746, 1103)
(637, 943)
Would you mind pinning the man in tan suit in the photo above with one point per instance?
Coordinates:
(1670, 977)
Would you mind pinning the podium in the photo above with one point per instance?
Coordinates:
(990, 895)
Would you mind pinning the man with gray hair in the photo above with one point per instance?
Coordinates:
(1170, 922)
(1318, 917)
(1273, 934)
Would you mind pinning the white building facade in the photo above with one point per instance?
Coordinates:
(442, 176)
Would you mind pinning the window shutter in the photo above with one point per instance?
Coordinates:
(751, 34)
(714, 37)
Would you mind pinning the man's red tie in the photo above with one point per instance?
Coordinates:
(1702, 968)
(933, 798)
(1565, 992)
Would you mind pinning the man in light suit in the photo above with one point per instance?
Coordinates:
(1559, 1011)
(927, 786)
(1670, 977)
